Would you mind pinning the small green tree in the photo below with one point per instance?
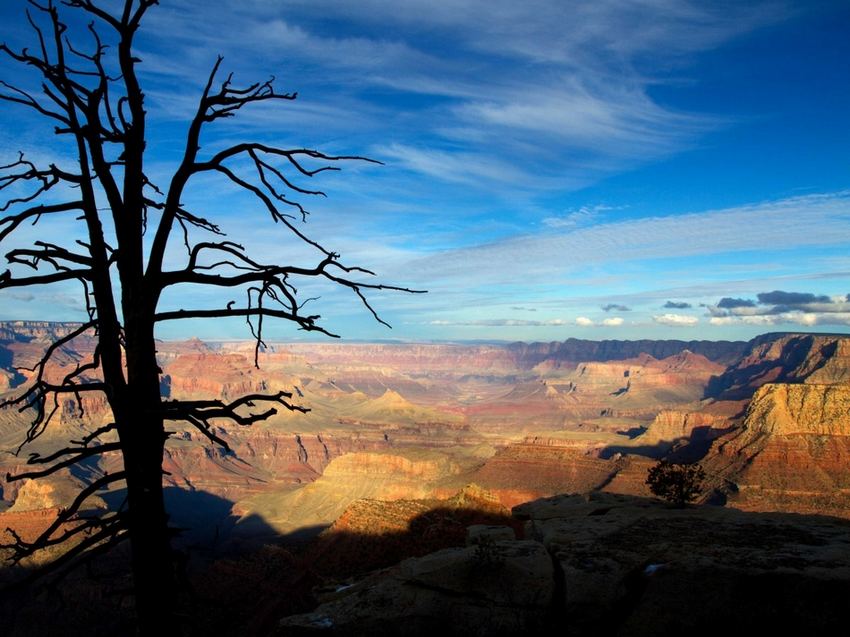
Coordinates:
(676, 483)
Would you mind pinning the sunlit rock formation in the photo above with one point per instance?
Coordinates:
(792, 452)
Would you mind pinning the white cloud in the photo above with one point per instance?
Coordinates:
(577, 217)
(500, 323)
(676, 320)
(784, 224)
(583, 321)
(806, 319)
(780, 307)
(562, 90)
(722, 320)
(612, 322)
(460, 167)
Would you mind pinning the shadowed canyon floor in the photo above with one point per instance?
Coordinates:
(408, 445)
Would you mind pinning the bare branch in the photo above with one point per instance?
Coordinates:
(307, 323)
(46, 179)
(82, 553)
(87, 439)
(79, 453)
(101, 113)
(49, 252)
(199, 413)
(8, 281)
(20, 96)
(37, 393)
(24, 549)
(10, 223)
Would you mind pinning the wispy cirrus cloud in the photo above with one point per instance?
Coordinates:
(578, 217)
(491, 115)
(784, 224)
(498, 323)
(560, 93)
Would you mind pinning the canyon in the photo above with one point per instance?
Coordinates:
(397, 431)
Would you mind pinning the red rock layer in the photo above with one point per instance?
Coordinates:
(521, 472)
(789, 358)
(670, 426)
(793, 452)
(27, 524)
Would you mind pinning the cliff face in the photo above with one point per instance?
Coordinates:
(675, 379)
(389, 475)
(540, 467)
(419, 358)
(522, 472)
(805, 409)
(261, 460)
(211, 374)
(573, 351)
(793, 451)
(513, 357)
(35, 330)
(27, 524)
(58, 490)
(784, 358)
(465, 401)
(671, 425)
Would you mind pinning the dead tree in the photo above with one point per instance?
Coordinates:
(92, 94)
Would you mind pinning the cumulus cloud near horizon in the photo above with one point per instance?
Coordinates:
(728, 303)
(676, 320)
(612, 321)
(781, 307)
(778, 297)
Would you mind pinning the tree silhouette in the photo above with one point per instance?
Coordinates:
(676, 483)
(92, 94)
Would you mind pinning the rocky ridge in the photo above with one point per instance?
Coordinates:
(606, 565)
(792, 452)
(523, 421)
(784, 358)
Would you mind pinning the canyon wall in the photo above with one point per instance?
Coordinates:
(522, 421)
(792, 452)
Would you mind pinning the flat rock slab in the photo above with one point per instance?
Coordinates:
(504, 587)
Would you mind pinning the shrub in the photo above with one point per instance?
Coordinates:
(676, 483)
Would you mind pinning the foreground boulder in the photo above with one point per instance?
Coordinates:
(501, 587)
(635, 566)
(607, 564)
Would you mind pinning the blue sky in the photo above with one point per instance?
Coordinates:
(600, 169)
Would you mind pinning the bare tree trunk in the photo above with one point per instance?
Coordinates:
(142, 435)
(103, 115)
(153, 573)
